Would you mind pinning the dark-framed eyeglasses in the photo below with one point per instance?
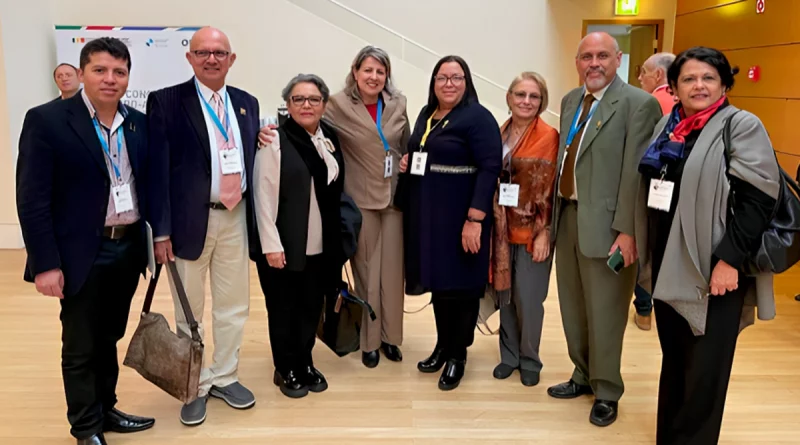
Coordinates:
(300, 100)
(456, 80)
(204, 54)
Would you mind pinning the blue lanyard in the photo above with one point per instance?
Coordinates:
(573, 129)
(378, 123)
(106, 150)
(213, 114)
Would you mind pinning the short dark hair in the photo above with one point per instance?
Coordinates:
(710, 56)
(470, 94)
(111, 45)
(64, 64)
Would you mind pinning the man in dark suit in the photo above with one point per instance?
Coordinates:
(66, 78)
(80, 199)
(202, 147)
(605, 127)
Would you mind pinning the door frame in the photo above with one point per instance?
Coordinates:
(635, 22)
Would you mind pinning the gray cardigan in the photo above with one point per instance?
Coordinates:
(700, 218)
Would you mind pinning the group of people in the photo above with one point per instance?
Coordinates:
(629, 188)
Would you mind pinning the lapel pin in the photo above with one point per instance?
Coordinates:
(133, 127)
(445, 123)
(242, 111)
(599, 123)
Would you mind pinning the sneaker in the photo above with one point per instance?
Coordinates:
(235, 395)
(194, 413)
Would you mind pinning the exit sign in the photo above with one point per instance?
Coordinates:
(626, 7)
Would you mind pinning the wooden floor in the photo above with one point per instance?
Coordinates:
(393, 403)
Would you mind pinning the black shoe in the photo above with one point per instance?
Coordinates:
(315, 380)
(452, 374)
(502, 371)
(392, 352)
(291, 385)
(119, 422)
(97, 439)
(370, 359)
(569, 390)
(604, 412)
(528, 378)
(433, 363)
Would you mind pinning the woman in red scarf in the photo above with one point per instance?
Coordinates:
(521, 256)
(694, 237)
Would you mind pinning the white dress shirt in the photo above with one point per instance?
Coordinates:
(212, 136)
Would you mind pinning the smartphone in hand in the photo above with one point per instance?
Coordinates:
(616, 261)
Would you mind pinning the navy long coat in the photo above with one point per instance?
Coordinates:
(436, 205)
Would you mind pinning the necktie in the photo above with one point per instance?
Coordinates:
(567, 184)
(230, 186)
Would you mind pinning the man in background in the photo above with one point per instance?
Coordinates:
(653, 79)
(81, 201)
(202, 136)
(605, 127)
(66, 78)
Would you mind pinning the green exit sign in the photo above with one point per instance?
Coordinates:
(626, 7)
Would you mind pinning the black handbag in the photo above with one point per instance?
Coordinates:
(780, 242)
(342, 314)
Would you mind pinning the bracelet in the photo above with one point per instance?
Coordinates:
(471, 219)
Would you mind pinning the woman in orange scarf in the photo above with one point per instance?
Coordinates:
(521, 254)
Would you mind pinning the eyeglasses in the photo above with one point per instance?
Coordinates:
(300, 100)
(455, 80)
(204, 54)
(521, 95)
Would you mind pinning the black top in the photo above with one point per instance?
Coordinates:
(746, 220)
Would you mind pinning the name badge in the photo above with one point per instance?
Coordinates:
(418, 162)
(231, 161)
(123, 199)
(509, 195)
(387, 167)
(660, 194)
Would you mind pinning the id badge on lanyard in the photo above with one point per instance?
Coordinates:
(387, 163)
(121, 193)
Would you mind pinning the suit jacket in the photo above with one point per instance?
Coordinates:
(607, 165)
(63, 187)
(363, 149)
(179, 190)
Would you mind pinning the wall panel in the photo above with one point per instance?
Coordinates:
(685, 7)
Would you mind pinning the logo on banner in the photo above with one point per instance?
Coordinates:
(157, 43)
(79, 40)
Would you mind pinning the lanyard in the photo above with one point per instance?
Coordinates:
(213, 114)
(428, 129)
(106, 150)
(573, 129)
(378, 123)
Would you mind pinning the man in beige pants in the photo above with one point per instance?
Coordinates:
(202, 142)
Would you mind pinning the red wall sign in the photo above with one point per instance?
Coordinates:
(760, 5)
(754, 73)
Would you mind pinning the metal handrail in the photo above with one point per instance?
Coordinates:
(405, 40)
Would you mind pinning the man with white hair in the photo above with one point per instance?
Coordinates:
(653, 79)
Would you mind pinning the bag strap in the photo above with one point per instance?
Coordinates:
(726, 140)
(184, 300)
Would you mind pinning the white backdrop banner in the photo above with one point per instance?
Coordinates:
(157, 55)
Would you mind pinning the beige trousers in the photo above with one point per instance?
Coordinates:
(225, 255)
(378, 273)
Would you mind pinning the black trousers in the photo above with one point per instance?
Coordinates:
(92, 322)
(456, 313)
(294, 306)
(695, 370)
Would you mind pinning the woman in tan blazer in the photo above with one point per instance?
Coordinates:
(370, 117)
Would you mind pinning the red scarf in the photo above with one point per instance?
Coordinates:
(695, 122)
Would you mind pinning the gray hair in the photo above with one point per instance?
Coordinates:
(662, 60)
(351, 86)
(306, 78)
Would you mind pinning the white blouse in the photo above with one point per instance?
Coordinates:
(266, 185)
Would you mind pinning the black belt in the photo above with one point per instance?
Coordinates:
(117, 232)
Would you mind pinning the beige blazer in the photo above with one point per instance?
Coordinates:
(363, 150)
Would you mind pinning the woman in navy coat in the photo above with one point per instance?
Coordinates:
(450, 174)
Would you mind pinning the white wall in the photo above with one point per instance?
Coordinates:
(276, 39)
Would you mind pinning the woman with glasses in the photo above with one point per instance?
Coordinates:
(370, 118)
(298, 181)
(451, 174)
(521, 256)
